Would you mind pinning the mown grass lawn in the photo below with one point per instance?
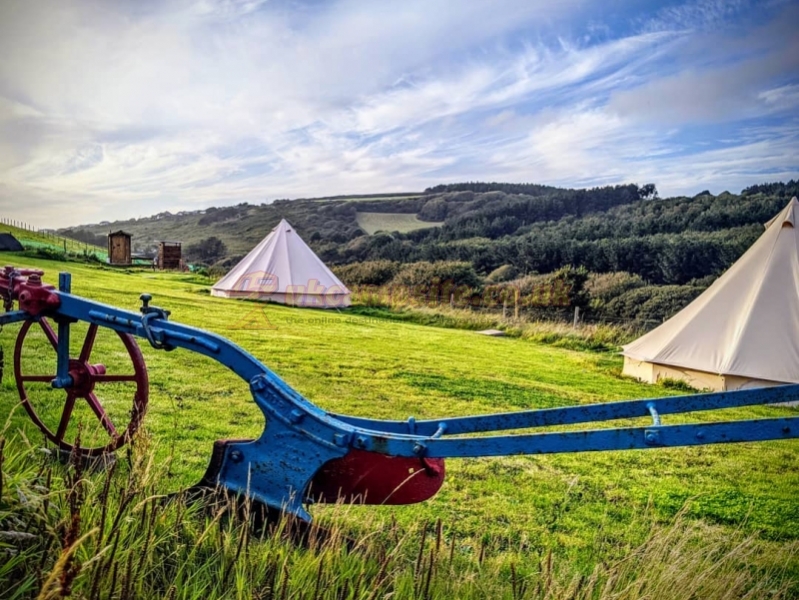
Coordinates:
(586, 508)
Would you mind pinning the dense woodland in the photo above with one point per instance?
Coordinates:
(658, 253)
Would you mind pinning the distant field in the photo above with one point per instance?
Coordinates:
(372, 222)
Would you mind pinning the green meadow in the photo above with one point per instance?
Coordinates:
(372, 222)
(583, 511)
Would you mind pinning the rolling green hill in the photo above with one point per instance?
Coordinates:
(40, 239)
(678, 245)
(332, 226)
(319, 220)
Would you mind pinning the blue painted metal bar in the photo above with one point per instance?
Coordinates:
(208, 344)
(587, 413)
(14, 316)
(618, 439)
(62, 378)
(65, 282)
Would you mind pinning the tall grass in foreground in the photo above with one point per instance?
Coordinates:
(66, 531)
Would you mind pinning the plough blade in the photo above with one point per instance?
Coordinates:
(359, 477)
(363, 477)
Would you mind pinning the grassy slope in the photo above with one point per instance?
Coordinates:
(240, 235)
(242, 232)
(585, 507)
(240, 239)
(38, 239)
(372, 222)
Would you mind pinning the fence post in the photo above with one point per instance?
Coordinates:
(576, 316)
(516, 304)
(504, 309)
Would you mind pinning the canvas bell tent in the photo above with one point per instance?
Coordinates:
(743, 331)
(282, 268)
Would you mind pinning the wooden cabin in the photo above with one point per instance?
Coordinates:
(119, 248)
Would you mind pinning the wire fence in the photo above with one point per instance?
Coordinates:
(32, 237)
(574, 316)
(507, 312)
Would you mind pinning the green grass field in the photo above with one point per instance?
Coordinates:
(37, 239)
(372, 222)
(585, 509)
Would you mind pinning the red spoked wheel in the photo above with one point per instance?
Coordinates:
(54, 410)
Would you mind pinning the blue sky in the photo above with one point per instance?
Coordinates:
(123, 109)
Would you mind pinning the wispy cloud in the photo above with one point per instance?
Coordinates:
(113, 110)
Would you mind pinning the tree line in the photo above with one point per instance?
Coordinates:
(672, 241)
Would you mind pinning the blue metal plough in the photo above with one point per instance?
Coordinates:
(306, 453)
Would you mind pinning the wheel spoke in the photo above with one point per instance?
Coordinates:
(88, 343)
(62, 425)
(112, 378)
(51, 335)
(98, 410)
(44, 378)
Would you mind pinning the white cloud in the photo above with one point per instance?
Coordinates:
(124, 109)
(785, 97)
(596, 146)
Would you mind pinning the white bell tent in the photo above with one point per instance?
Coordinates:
(743, 331)
(282, 268)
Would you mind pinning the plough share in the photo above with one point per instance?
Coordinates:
(306, 454)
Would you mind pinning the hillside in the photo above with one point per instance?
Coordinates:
(533, 229)
(33, 239)
(241, 227)
(333, 225)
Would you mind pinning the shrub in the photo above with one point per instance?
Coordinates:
(434, 210)
(460, 274)
(375, 272)
(652, 303)
(676, 384)
(207, 251)
(216, 272)
(565, 288)
(603, 287)
(45, 252)
(503, 273)
(229, 262)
